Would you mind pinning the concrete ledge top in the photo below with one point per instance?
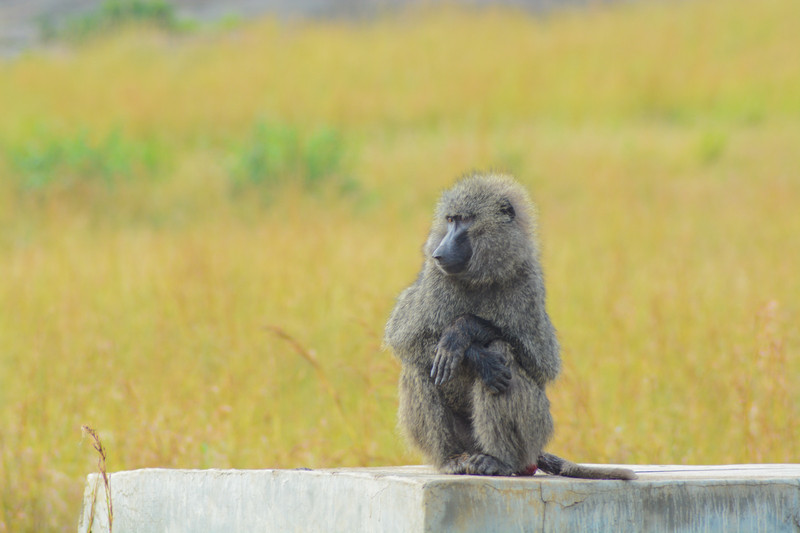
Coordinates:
(426, 474)
(755, 497)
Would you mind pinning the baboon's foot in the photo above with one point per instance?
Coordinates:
(481, 464)
(456, 464)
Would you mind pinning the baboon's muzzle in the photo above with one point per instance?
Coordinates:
(454, 252)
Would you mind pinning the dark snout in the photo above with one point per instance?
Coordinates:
(454, 252)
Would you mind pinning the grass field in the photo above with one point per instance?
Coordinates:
(202, 234)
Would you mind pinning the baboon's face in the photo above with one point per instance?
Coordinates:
(479, 234)
(474, 238)
(453, 253)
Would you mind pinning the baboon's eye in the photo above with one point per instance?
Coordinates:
(507, 209)
(459, 218)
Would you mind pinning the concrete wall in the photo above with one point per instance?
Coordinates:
(743, 498)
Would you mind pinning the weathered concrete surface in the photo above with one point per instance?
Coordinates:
(732, 498)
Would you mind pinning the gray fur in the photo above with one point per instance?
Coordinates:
(484, 336)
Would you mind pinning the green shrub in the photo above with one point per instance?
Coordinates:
(111, 15)
(48, 160)
(276, 154)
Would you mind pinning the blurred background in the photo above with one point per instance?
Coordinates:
(207, 210)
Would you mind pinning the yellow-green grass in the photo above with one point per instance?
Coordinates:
(195, 326)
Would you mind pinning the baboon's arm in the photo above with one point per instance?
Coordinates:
(528, 329)
(537, 354)
(469, 337)
(408, 332)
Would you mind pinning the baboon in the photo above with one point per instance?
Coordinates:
(476, 344)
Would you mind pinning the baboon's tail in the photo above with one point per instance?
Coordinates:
(561, 467)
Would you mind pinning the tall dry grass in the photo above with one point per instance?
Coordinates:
(196, 324)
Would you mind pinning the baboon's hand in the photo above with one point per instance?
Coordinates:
(450, 351)
(445, 362)
(496, 375)
(492, 367)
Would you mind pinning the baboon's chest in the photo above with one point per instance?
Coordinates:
(489, 305)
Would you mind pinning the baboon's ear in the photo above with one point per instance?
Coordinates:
(507, 209)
